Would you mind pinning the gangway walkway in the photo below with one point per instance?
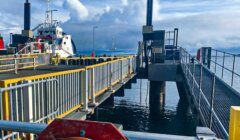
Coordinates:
(212, 96)
(49, 93)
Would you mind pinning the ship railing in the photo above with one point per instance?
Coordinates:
(30, 48)
(202, 85)
(42, 98)
(23, 62)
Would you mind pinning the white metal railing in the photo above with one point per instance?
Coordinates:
(224, 65)
(15, 63)
(42, 98)
(202, 86)
(19, 105)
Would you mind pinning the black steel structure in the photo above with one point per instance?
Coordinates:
(149, 12)
(27, 15)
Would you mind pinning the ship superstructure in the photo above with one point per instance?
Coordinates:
(49, 37)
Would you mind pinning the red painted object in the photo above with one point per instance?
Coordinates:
(199, 54)
(1, 43)
(93, 54)
(39, 45)
(62, 129)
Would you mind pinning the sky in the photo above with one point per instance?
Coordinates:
(201, 23)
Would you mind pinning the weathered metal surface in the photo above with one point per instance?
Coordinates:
(59, 129)
(38, 128)
(164, 72)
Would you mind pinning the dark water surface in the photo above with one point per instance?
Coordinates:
(133, 111)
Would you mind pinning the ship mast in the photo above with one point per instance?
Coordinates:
(48, 13)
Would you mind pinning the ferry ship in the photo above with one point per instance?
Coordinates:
(49, 37)
(50, 99)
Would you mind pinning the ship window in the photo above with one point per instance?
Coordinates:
(46, 32)
(54, 32)
(64, 43)
(59, 41)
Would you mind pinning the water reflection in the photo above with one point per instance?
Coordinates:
(165, 113)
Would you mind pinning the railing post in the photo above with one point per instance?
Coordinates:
(189, 58)
(215, 68)
(185, 55)
(193, 76)
(110, 76)
(234, 58)
(85, 89)
(129, 67)
(93, 85)
(46, 105)
(200, 86)
(67, 63)
(34, 63)
(121, 71)
(15, 65)
(28, 102)
(234, 125)
(223, 65)
(212, 101)
(5, 102)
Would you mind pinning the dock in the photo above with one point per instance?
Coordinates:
(38, 90)
(73, 90)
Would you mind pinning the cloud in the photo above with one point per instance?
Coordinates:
(200, 22)
(77, 10)
(125, 2)
(156, 10)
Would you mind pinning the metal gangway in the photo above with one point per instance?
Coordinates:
(213, 81)
(42, 98)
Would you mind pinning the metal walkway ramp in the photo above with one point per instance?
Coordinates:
(212, 96)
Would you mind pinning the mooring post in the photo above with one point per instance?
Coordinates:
(234, 125)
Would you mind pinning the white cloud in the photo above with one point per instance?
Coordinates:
(108, 8)
(124, 2)
(77, 9)
(200, 22)
(156, 10)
